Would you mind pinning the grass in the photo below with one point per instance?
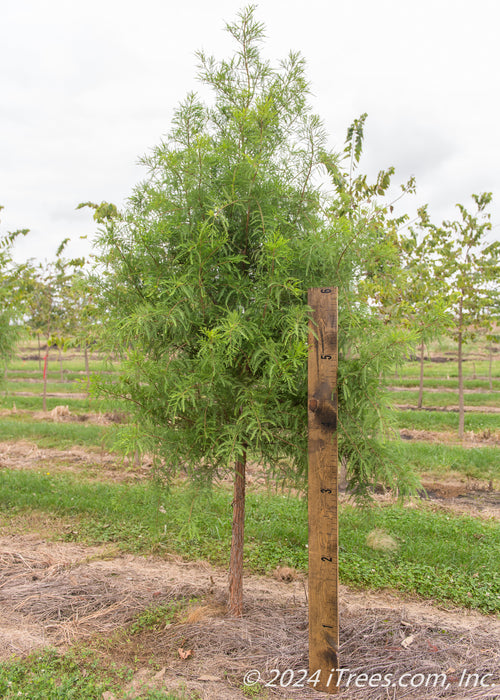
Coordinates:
(59, 435)
(445, 398)
(156, 617)
(479, 462)
(441, 420)
(471, 368)
(446, 383)
(76, 375)
(438, 556)
(77, 387)
(78, 674)
(35, 403)
(74, 365)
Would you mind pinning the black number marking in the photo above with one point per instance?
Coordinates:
(326, 357)
(329, 626)
(326, 291)
(326, 490)
(326, 559)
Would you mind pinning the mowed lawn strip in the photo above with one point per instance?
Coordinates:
(472, 369)
(446, 420)
(35, 403)
(474, 462)
(438, 556)
(446, 398)
(444, 383)
(75, 364)
(53, 434)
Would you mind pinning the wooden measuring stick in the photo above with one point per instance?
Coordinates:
(323, 489)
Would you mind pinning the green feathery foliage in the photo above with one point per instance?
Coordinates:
(204, 278)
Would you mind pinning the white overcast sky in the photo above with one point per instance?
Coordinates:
(87, 88)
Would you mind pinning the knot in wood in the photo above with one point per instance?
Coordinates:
(313, 405)
(325, 411)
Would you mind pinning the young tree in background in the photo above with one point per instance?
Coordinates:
(10, 295)
(471, 267)
(67, 310)
(425, 302)
(88, 318)
(207, 271)
(46, 292)
(366, 259)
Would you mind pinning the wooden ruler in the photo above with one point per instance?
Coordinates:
(323, 488)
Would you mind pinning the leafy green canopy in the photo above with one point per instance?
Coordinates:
(206, 276)
(10, 295)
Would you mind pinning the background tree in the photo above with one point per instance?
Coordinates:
(47, 303)
(471, 267)
(207, 272)
(366, 256)
(424, 298)
(87, 315)
(10, 295)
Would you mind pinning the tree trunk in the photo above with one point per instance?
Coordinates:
(87, 368)
(61, 364)
(461, 407)
(421, 385)
(490, 378)
(236, 558)
(39, 354)
(45, 364)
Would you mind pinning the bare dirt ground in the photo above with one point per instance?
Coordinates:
(443, 390)
(484, 438)
(447, 409)
(97, 464)
(63, 593)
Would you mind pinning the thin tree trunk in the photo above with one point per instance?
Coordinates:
(490, 377)
(39, 353)
(237, 540)
(461, 407)
(45, 365)
(61, 364)
(421, 385)
(87, 367)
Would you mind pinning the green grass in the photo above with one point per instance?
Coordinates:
(478, 462)
(445, 398)
(60, 435)
(442, 557)
(35, 403)
(74, 365)
(450, 369)
(440, 420)
(444, 382)
(76, 387)
(55, 376)
(75, 675)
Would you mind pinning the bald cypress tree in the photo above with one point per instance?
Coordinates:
(206, 273)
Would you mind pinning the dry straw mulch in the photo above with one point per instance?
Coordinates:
(73, 598)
